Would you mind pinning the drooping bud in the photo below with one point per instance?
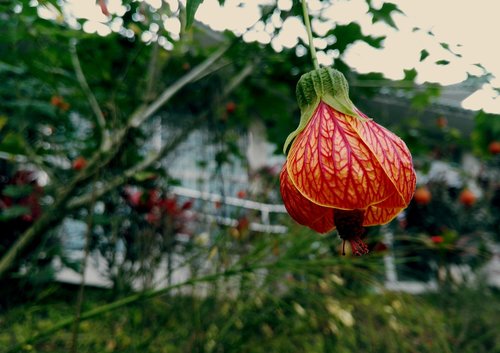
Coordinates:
(343, 170)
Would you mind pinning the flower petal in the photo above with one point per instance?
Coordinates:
(302, 210)
(393, 156)
(375, 215)
(332, 166)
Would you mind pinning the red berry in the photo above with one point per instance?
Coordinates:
(243, 224)
(442, 122)
(134, 198)
(467, 197)
(79, 163)
(58, 102)
(494, 147)
(437, 239)
(230, 107)
(422, 196)
(241, 194)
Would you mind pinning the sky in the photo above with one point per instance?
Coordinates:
(470, 28)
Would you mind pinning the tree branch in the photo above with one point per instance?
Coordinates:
(101, 121)
(100, 159)
(142, 114)
(152, 73)
(121, 179)
(165, 150)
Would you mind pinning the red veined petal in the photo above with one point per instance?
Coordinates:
(332, 166)
(375, 215)
(302, 210)
(393, 156)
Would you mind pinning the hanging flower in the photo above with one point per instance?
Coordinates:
(343, 170)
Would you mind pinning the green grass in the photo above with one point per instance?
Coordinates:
(304, 319)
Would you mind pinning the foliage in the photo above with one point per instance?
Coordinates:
(99, 119)
(384, 322)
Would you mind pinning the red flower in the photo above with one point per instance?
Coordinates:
(422, 196)
(437, 239)
(79, 163)
(467, 198)
(343, 170)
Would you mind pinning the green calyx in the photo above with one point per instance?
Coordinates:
(327, 85)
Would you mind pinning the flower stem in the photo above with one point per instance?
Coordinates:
(307, 22)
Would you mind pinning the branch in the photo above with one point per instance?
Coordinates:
(165, 150)
(51, 216)
(121, 179)
(142, 114)
(152, 73)
(100, 159)
(101, 121)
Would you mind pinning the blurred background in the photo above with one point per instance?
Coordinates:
(140, 148)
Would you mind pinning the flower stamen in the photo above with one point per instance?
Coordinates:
(350, 228)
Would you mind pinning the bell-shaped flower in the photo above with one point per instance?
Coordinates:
(343, 170)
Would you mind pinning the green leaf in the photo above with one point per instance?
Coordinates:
(145, 175)
(4, 67)
(13, 212)
(13, 143)
(445, 46)
(410, 75)
(191, 7)
(442, 62)
(3, 121)
(17, 191)
(423, 54)
(350, 33)
(385, 14)
(423, 99)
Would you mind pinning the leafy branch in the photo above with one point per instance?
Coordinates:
(100, 159)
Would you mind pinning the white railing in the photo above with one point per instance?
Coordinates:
(265, 209)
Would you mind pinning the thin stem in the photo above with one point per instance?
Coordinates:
(307, 22)
(99, 115)
(86, 253)
(134, 298)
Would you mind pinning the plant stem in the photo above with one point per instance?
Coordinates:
(307, 22)
(86, 253)
(134, 298)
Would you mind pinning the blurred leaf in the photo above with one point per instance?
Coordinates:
(445, 46)
(410, 75)
(3, 121)
(17, 191)
(385, 14)
(13, 143)
(191, 7)
(486, 130)
(4, 67)
(348, 34)
(424, 98)
(423, 54)
(442, 62)
(145, 175)
(13, 212)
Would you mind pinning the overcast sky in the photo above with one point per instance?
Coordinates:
(471, 29)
